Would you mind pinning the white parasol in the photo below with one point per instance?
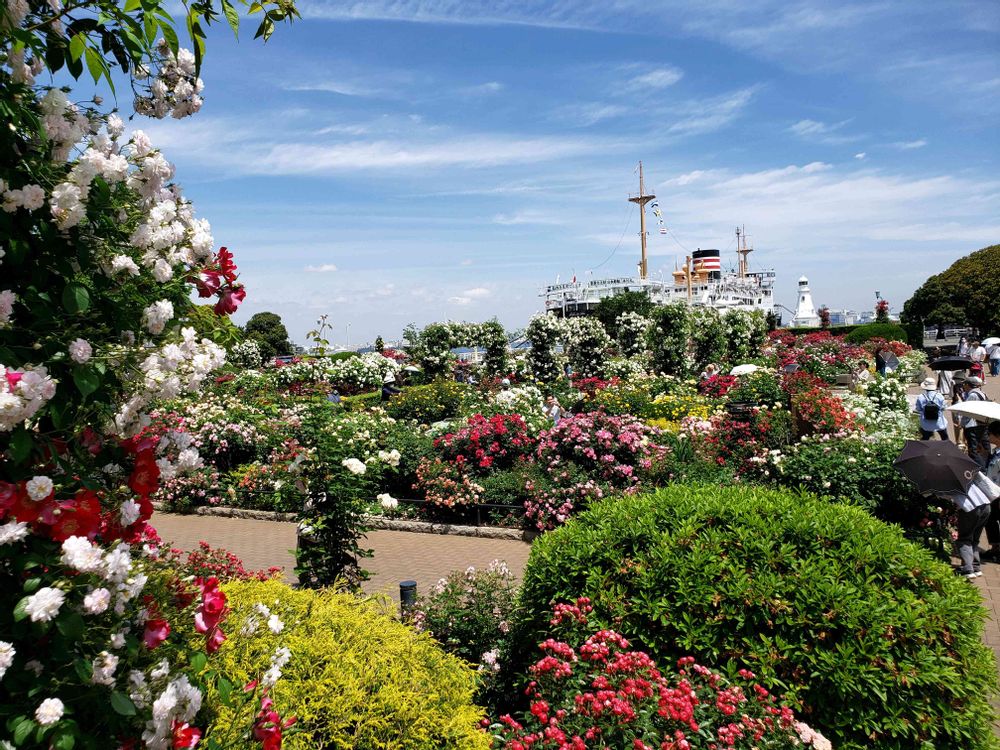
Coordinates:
(743, 369)
(982, 411)
(990, 341)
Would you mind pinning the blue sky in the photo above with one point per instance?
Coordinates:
(408, 161)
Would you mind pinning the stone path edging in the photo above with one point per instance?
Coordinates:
(376, 522)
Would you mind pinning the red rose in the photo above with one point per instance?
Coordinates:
(155, 633)
(185, 735)
(145, 478)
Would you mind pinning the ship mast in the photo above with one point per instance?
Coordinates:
(743, 250)
(641, 200)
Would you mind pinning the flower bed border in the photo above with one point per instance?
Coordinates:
(375, 522)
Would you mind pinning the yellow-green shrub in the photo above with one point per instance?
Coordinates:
(358, 679)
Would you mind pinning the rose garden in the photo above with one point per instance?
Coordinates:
(728, 561)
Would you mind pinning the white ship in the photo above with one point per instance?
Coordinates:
(700, 282)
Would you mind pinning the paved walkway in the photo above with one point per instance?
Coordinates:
(399, 555)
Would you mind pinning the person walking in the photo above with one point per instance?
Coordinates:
(946, 384)
(993, 354)
(880, 363)
(389, 388)
(963, 347)
(975, 432)
(993, 473)
(973, 507)
(930, 407)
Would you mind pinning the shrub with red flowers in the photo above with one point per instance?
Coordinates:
(819, 411)
(590, 385)
(446, 484)
(821, 354)
(487, 444)
(594, 690)
(208, 561)
(717, 386)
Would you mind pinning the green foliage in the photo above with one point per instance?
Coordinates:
(544, 331)
(209, 325)
(967, 285)
(668, 337)
(357, 678)
(877, 643)
(361, 402)
(610, 309)
(426, 404)
(760, 387)
(708, 336)
(341, 356)
(587, 345)
(887, 331)
(267, 330)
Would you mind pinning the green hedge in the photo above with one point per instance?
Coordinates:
(361, 402)
(869, 331)
(878, 644)
(357, 678)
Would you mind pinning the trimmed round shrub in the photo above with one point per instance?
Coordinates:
(434, 402)
(870, 638)
(868, 331)
(357, 678)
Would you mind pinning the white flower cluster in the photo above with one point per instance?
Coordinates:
(263, 612)
(29, 197)
(246, 354)
(13, 531)
(175, 89)
(63, 122)
(44, 604)
(177, 454)
(354, 466)
(104, 667)
(21, 70)
(392, 458)
(20, 402)
(173, 369)
(49, 711)
(632, 329)
(180, 703)
(387, 501)
(359, 373)
(7, 300)
(80, 351)
(278, 661)
(7, 653)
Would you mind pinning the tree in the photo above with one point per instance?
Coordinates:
(966, 290)
(267, 330)
(668, 339)
(609, 309)
(379, 344)
(824, 317)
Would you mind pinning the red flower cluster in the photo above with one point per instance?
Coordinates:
(219, 280)
(590, 386)
(185, 735)
(822, 412)
(269, 725)
(210, 613)
(604, 694)
(487, 444)
(717, 386)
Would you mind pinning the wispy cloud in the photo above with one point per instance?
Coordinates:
(861, 156)
(822, 132)
(490, 87)
(527, 217)
(324, 268)
(658, 78)
(910, 145)
(713, 114)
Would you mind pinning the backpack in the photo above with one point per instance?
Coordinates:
(932, 410)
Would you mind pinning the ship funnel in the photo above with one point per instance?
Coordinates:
(708, 261)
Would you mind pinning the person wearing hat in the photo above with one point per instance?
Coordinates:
(930, 407)
(389, 388)
(975, 432)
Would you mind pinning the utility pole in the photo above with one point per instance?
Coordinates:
(641, 200)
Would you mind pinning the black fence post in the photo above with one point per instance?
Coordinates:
(407, 597)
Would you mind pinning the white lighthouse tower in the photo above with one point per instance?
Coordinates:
(805, 313)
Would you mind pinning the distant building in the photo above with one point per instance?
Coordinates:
(843, 317)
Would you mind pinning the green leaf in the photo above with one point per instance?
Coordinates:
(31, 585)
(170, 36)
(20, 611)
(22, 731)
(232, 16)
(131, 5)
(199, 661)
(71, 626)
(225, 688)
(76, 297)
(122, 704)
(87, 380)
(95, 64)
(64, 741)
(21, 444)
(77, 45)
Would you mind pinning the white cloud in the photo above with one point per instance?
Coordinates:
(324, 268)
(821, 132)
(466, 262)
(861, 156)
(478, 292)
(910, 145)
(658, 78)
(712, 114)
(490, 87)
(527, 217)
(461, 301)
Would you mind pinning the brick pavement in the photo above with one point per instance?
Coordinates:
(399, 555)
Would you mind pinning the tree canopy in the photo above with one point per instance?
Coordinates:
(965, 293)
(267, 330)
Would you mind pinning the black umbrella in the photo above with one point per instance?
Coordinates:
(951, 363)
(936, 466)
